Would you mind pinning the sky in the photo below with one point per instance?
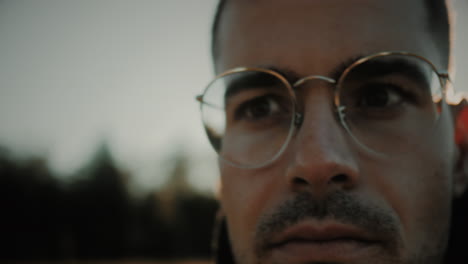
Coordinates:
(75, 74)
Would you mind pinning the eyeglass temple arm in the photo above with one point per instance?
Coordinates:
(199, 98)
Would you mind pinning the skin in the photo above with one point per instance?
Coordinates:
(403, 204)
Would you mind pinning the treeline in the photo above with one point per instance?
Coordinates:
(95, 217)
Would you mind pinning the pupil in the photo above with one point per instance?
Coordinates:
(260, 109)
(376, 98)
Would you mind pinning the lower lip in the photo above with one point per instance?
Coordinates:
(334, 250)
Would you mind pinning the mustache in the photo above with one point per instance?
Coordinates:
(339, 206)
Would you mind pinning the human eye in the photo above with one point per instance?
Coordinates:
(382, 99)
(260, 108)
(380, 96)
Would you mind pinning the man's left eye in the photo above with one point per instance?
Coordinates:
(379, 96)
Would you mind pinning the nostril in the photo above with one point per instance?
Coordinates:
(340, 178)
(319, 184)
(300, 181)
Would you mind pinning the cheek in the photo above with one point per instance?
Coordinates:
(418, 187)
(421, 191)
(245, 195)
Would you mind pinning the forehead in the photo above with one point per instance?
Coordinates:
(312, 36)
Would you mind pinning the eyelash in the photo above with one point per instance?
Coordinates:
(405, 94)
(240, 111)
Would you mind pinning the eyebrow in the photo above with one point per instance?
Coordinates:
(257, 80)
(381, 68)
(338, 71)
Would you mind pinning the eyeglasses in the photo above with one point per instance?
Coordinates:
(386, 102)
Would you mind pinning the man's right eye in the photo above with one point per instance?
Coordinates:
(259, 108)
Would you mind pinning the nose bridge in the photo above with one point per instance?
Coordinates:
(321, 138)
(322, 159)
(313, 77)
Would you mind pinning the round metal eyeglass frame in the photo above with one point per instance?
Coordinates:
(340, 109)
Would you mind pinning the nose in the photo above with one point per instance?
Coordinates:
(322, 156)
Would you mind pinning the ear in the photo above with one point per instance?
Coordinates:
(460, 117)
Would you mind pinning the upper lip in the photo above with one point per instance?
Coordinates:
(322, 232)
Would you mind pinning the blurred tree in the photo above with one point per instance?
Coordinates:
(95, 218)
(189, 214)
(99, 209)
(152, 232)
(30, 203)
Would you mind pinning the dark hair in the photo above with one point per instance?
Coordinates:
(214, 29)
(438, 23)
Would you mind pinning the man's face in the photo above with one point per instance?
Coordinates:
(324, 200)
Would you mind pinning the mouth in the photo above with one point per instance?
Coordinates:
(311, 241)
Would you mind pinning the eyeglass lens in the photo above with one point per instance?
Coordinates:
(248, 116)
(389, 102)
